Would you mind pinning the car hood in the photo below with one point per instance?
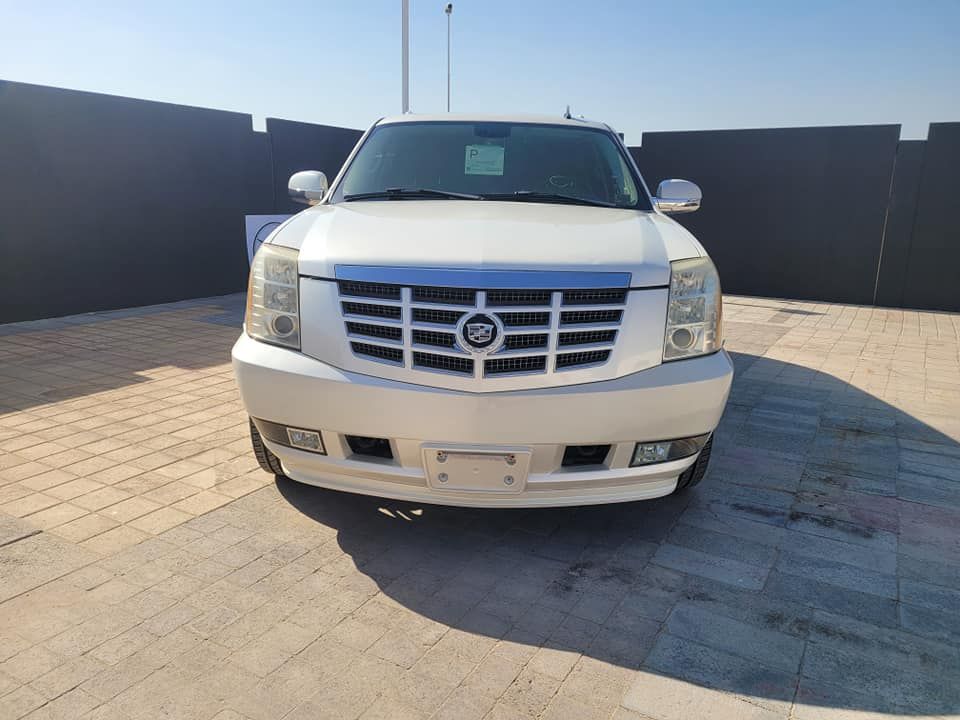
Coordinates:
(487, 235)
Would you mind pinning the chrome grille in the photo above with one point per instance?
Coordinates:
(378, 331)
(525, 342)
(387, 354)
(437, 317)
(432, 337)
(383, 311)
(370, 290)
(584, 317)
(525, 319)
(418, 326)
(447, 363)
(585, 357)
(445, 296)
(530, 363)
(587, 337)
(613, 296)
(496, 298)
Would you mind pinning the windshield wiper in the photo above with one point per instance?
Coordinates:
(534, 196)
(399, 193)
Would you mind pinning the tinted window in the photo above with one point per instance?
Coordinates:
(494, 159)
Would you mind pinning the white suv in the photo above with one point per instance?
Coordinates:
(485, 311)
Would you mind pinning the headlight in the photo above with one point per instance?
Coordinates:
(273, 300)
(693, 311)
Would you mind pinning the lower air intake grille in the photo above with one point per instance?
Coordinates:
(370, 447)
(584, 455)
(446, 363)
(586, 357)
(501, 366)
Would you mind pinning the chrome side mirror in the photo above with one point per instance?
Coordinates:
(678, 196)
(308, 187)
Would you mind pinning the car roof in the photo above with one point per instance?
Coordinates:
(469, 117)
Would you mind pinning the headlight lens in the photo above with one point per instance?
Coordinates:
(694, 322)
(273, 298)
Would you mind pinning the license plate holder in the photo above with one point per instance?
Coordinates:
(501, 470)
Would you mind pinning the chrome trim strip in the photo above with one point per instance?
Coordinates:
(486, 279)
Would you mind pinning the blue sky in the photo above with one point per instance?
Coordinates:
(637, 65)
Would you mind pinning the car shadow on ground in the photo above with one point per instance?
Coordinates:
(816, 567)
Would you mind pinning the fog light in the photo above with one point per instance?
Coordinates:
(283, 325)
(650, 453)
(305, 439)
(682, 338)
(309, 440)
(647, 453)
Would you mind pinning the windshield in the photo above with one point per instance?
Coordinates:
(502, 161)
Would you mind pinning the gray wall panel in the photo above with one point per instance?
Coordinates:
(898, 234)
(305, 146)
(933, 268)
(108, 202)
(795, 212)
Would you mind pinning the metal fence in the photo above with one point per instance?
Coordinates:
(109, 202)
(845, 214)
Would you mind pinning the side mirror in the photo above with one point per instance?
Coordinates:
(307, 187)
(678, 196)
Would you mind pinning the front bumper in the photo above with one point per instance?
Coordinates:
(673, 400)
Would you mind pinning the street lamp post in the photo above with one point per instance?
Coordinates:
(449, 11)
(405, 52)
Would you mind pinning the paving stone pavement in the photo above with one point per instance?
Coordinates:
(149, 569)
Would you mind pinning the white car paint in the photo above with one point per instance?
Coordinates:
(632, 397)
(488, 235)
(671, 400)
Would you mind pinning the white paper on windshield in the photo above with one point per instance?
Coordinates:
(483, 160)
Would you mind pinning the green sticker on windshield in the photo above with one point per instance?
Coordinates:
(483, 160)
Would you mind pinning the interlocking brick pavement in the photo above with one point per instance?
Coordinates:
(149, 569)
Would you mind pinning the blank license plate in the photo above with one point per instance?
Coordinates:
(490, 470)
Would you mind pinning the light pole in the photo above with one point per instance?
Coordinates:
(405, 52)
(449, 11)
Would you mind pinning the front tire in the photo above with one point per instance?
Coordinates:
(694, 474)
(268, 461)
